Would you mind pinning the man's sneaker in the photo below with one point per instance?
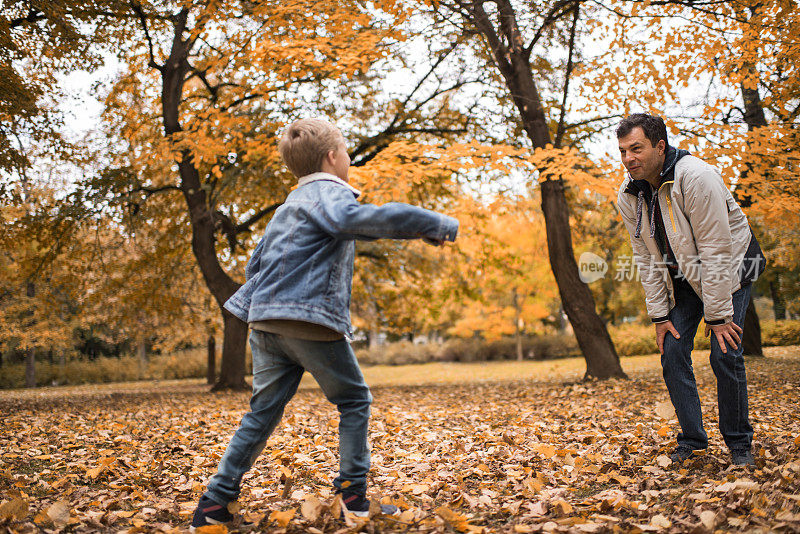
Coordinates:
(358, 505)
(209, 512)
(681, 453)
(742, 457)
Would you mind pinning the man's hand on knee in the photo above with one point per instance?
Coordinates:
(727, 334)
(661, 333)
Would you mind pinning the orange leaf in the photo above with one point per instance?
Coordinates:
(283, 518)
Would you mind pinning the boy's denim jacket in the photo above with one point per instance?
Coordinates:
(302, 269)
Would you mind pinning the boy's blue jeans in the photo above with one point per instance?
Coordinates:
(278, 365)
(729, 369)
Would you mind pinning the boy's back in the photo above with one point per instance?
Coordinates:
(303, 267)
(297, 300)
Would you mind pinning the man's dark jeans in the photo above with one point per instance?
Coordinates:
(729, 369)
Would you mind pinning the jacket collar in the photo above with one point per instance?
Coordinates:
(672, 156)
(319, 176)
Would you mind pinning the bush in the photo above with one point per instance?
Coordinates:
(533, 348)
(399, 353)
(633, 339)
(184, 364)
(629, 339)
(780, 333)
(470, 350)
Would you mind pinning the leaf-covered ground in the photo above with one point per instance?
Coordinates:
(539, 452)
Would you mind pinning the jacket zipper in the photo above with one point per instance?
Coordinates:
(669, 206)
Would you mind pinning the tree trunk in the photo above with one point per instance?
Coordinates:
(751, 337)
(62, 366)
(231, 373)
(30, 368)
(234, 336)
(518, 325)
(374, 338)
(778, 304)
(601, 357)
(30, 357)
(141, 356)
(755, 118)
(513, 63)
(211, 368)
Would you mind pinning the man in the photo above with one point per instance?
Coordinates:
(697, 259)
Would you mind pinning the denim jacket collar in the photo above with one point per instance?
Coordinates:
(314, 177)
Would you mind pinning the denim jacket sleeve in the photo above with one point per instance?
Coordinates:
(343, 217)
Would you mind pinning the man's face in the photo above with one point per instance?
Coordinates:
(643, 160)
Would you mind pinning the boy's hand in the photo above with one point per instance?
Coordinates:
(727, 334)
(434, 242)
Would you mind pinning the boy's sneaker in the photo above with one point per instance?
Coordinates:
(358, 505)
(742, 457)
(681, 453)
(209, 512)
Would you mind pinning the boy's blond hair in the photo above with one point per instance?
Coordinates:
(306, 142)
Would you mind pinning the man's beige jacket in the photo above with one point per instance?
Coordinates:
(707, 231)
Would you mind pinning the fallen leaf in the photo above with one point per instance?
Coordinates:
(59, 513)
(548, 451)
(562, 507)
(374, 508)
(454, 519)
(282, 517)
(665, 410)
(708, 519)
(660, 521)
(105, 463)
(311, 508)
(336, 507)
(664, 461)
(16, 508)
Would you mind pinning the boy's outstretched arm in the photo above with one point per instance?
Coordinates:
(341, 216)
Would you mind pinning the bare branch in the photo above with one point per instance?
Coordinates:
(560, 130)
(137, 8)
(556, 12)
(245, 226)
(34, 15)
(574, 125)
(153, 190)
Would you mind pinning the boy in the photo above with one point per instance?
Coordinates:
(296, 300)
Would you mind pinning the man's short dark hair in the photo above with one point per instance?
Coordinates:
(652, 125)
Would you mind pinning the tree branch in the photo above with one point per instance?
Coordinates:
(381, 142)
(153, 190)
(137, 8)
(245, 226)
(34, 15)
(560, 130)
(550, 18)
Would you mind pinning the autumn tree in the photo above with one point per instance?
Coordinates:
(521, 43)
(513, 290)
(204, 94)
(39, 41)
